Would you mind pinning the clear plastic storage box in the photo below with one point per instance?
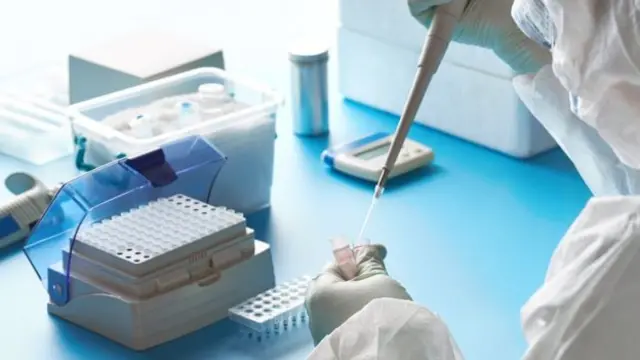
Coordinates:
(33, 122)
(244, 132)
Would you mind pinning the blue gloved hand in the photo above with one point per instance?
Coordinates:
(331, 300)
(489, 24)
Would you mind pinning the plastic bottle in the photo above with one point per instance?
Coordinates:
(213, 99)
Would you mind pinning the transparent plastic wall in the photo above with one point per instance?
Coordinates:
(188, 166)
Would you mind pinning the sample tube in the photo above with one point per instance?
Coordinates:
(188, 114)
(141, 126)
(343, 255)
(309, 86)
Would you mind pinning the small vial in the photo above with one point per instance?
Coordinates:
(188, 114)
(141, 126)
(211, 94)
(212, 99)
(343, 255)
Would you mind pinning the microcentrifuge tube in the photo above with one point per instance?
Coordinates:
(343, 255)
(188, 114)
(141, 126)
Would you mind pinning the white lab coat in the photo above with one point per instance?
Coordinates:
(588, 307)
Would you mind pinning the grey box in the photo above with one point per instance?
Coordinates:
(134, 59)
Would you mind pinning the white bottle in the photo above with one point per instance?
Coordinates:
(213, 98)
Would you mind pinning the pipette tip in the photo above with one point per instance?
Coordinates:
(378, 192)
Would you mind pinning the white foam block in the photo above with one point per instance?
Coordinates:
(391, 22)
(474, 105)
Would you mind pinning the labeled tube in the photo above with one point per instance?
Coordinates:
(344, 257)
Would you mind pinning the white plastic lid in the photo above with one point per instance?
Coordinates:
(308, 52)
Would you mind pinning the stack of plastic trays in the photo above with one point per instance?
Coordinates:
(33, 133)
(45, 85)
(273, 313)
(33, 121)
(159, 246)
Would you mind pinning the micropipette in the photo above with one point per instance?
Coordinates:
(444, 21)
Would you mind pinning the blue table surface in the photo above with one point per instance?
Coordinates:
(470, 238)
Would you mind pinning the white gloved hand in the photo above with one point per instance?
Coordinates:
(488, 24)
(331, 300)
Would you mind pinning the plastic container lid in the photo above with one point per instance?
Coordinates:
(188, 166)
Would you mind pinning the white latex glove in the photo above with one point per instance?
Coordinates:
(331, 300)
(488, 24)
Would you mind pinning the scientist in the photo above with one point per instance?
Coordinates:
(576, 65)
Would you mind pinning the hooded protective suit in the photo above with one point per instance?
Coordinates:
(588, 98)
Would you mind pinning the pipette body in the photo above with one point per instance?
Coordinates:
(438, 37)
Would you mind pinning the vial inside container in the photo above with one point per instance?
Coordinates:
(141, 126)
(188, 113)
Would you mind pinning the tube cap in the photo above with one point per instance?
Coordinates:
(338, 243)
(305, 53)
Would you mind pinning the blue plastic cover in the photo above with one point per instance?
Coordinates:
(188, 166)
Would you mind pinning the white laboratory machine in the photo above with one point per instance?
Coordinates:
(134, 251)
(471, 96)
(364, 158)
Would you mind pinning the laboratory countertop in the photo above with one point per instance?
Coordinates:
(470, 237)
